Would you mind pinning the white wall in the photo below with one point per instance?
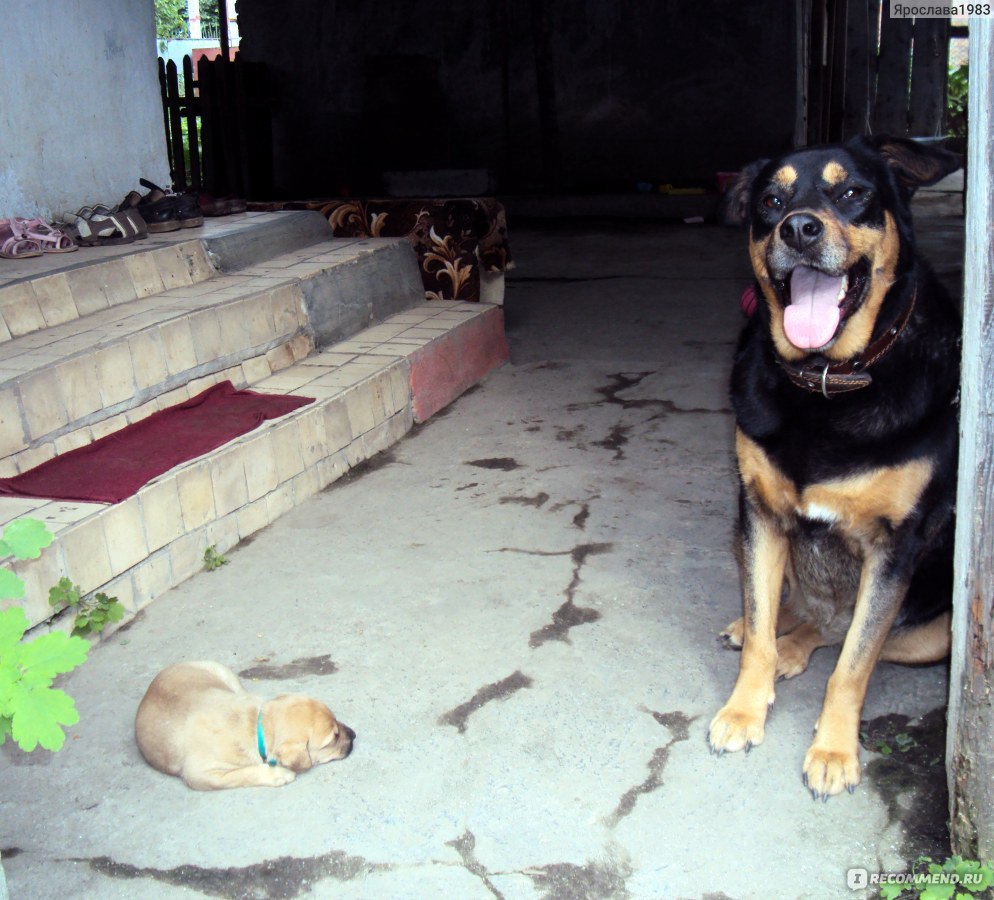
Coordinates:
(80, 114)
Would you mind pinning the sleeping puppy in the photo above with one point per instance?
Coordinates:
(196, 721)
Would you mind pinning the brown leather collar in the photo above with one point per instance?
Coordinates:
(820, 376)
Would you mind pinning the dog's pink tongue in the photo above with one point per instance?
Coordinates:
(813, 315)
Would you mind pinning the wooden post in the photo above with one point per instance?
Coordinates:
(890, 115)
(862, 37)
(970, 742)
(928, 77)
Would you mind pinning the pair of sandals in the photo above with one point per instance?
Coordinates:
(163, 211)
(96, 226)
(22, 238)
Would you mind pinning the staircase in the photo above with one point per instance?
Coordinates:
(94, 340)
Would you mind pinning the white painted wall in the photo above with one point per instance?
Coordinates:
(80, 113)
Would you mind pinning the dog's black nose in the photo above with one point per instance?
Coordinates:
(800, 231)
(349, 732)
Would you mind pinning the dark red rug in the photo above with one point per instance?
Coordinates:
(116, 466)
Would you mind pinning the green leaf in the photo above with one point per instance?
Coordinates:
(4, 729)
(115, 611)
(13, 624)
(26, 537)
(65, 593)
(904, 742)
(890, 891)
(11, 587)
(52, 654)
(38, 713)
(938, 891)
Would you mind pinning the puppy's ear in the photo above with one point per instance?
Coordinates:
(915, 164)
(734, 206)
(293, 755)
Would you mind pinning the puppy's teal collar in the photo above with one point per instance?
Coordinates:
(261, 742)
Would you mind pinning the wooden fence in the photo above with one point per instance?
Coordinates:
(218, 127)
(870, 73)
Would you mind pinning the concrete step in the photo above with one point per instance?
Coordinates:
(69, 383)
(268, 302)
(368, 392)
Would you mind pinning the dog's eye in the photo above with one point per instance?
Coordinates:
(772, 201)
(853, 193)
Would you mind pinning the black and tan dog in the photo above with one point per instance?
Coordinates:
(845, 389)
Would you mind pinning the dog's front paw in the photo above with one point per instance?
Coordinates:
(280, 776)
(732, 636)
(829, 771)
(735, 728)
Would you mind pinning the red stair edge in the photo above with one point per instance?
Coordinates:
(447, 367)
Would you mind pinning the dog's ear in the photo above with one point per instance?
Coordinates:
(915, 164)
(734, 206)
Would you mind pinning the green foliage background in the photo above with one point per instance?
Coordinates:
(170, 17)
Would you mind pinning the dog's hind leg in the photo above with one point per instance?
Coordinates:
(928, 643)
(794, 649)
(787, 621)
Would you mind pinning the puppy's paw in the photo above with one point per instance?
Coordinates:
(829, 771)
(279, 776)
(735, 728)
(731, 637)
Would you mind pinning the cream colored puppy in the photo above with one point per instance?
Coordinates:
(197, 721)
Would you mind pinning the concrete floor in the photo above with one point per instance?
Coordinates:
(515, 608)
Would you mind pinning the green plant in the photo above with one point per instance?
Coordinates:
(956, 96)
(31, 710)
(92, 613)
(214, 560)
(903, 740)
(955, 879)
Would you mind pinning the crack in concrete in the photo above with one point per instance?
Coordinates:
(538, 501)
(678, 725)
(504, 463)
(464, 845)
(304, 665)
(580, 519)
(616, 439)
(592, 881)
(282, 878)
(498, 690)
(622, 381)
(569, 615)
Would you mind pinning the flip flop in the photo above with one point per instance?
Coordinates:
(15, 246)
(51, 240)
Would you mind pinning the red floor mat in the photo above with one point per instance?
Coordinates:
(116, 466)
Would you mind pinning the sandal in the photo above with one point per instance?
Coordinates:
(15, 246)
(98, 209)
(51, 240)
(105, 230)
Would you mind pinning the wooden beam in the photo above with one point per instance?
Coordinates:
(970, 747)
(862, 38)
(890, 114)
(929, 67)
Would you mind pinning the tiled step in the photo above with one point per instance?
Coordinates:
(62, 386)
(92, 341)
(369, 390)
